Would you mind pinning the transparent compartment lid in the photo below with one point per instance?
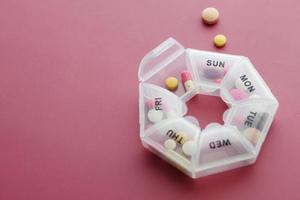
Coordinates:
(221, 145)
(180, 131)
(169, 103)
(252, 119)
(211, 67)
(166, 52)
(251, 84)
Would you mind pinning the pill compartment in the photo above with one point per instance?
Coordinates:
(210, 69)
(244, 81)
(157, 104)
(220, 146)
(179, 130)
(169, 59)
(252, 119)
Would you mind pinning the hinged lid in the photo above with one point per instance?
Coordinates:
(166, 52)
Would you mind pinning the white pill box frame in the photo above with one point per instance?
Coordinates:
(217, 147)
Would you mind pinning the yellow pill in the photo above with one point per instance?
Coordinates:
(210, 15)
(220, 40)
(252, 134)
(181, 137)
(172, 83)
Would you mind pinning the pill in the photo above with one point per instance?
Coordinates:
(218, 80)
(257, 120)
(150, 104)
(172, 83)
(170, 144)
(239, 84)
(254, 96)
(213, 73)
(220, 40)
(187, 80)
(210, 15)
(188, 148)
(179, 137)
(239, 121)
(252, 134)
(238, 94)
(167, 109)
(155, 115)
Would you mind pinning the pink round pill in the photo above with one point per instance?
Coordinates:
(150, 104)
(238, 94)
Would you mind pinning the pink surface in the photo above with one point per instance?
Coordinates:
(69, 97)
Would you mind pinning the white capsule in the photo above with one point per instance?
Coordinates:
(188, 148)
(155, 115)
(189, 85)
(170, 144)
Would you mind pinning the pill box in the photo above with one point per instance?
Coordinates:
(201, 151)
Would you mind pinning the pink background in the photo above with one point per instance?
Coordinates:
(69, 97)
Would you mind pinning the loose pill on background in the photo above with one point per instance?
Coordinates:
(220, 40)
(172, 83)
(170, 144)
(210, 15)
(155, 115)
(188, 148)
(238, 94)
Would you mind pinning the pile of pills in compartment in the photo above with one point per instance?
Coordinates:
(157, 111)
(177, 138)
(186, 78)
(243, 89)
(252, 125)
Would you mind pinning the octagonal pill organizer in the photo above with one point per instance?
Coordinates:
(178, 139)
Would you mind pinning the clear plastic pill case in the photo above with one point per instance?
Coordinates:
(178, 139)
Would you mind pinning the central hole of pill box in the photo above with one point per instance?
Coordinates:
(207, 109)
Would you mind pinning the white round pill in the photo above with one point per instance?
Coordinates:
(210, 15)
(240, 85)
(188, 148)
(170, 144)
(155, 115)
